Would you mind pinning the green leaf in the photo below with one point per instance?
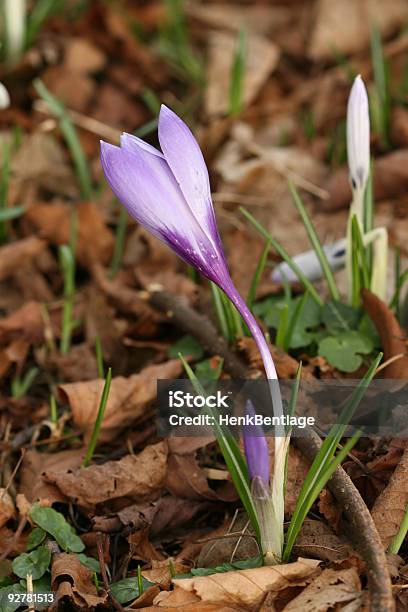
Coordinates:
(54, 523)
(188, 346)
(36, 537)
(7, 214)
(90, 563)
(344, 350)
(35, 563)
(339, 317)
(128, 589)
(225, 567)
(315, 242)
(5, 604)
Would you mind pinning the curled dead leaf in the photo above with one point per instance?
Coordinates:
(133, 478)
(391, 335)
(73, 583)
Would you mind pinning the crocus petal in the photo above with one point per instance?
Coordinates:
(256, 449)
(133, 143)
(358, 134)
(186, 161)
(145, 185)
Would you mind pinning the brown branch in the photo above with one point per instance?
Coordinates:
(362, 528)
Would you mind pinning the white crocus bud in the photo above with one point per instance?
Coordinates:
(4, 97)
(15, 22)
(358, 142)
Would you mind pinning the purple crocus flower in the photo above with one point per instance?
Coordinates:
(169, 194)
(256, 449)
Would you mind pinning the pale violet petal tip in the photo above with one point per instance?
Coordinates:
(131, 143)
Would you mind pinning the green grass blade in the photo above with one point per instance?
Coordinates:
(257, 275)
(119, 242)
(238, 75)
(294, 319)
(400, 282)
(282, 327)
(397, 276)
(99, 418)
(233, 457)
(71, 137)
(358, 246)
(99, 357)
(8, 214)
(381, 80)
(220, 311)
(315, 241)
(284, 255)
(399, 538)
(323, 460)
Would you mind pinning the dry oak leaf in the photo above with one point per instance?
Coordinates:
(72, 580)
(17, 254)
(53, 221)
(7, 510)
(83, 57)
(390, 506)
(328, 591)
(127, 402)
(134, 478)
(247, 587)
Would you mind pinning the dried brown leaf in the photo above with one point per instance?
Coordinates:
(73, 581)
(326, 34)
(390, 506)
(247, 587)
(53, 221)
(317, 540)
(391, 335)
(35, 464)
(128, 399)
(261, 59)
(133, 478)
(7, 510)
(328, 591)
(16, 255)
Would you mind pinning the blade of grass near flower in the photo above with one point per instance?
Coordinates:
(359, 247)
(282, 327)
(325, 463)
(399, 538)
(294, 319)
(237, 75)
(399, 284)
(99, 418)
(119, 242)
(315, 241)
(219, 309)
(231, 452)
(381, 80)
(71, 137)
(284, 254)
(258, 273)
(291, 411)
